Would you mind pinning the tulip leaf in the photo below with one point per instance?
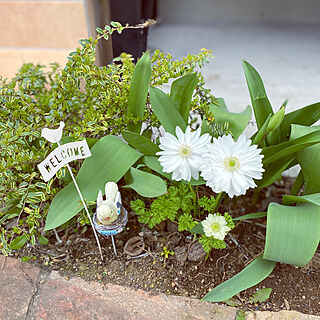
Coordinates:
(251, 275)
(305, 116)
(298, 183)
(309, 158)
(205, 127)
(237, 121)
(309, 198)
(274, 172)
(154, 164)
(138, 90)
(111, 159)
(181, 93)
(261, 134)
(166, 111)
(282, 150)
(141, 143)
(255, 215)
(260, 102)
(144, 183)
(293, 233)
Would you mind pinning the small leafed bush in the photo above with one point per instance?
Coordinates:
(93, 103)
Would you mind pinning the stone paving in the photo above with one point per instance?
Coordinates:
(28, 292)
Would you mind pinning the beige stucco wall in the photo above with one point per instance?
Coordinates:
(39, 31)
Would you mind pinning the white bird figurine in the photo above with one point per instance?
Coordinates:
(53, 135)
(108, 210)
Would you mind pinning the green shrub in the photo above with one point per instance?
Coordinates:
(91, 100)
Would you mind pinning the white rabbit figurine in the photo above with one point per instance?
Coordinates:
(108, 210)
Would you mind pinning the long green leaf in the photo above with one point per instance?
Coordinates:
(309, 198)
(282, 150)
(181, 93)
(260, 135)
(305, 116)
(309, 159)
(111, 159)
(154, 164)
(141, 143)
(237, 121)
(297, 184)
(255, 215)
(260, 103)
(145, 184)
(205, 127)
(274, 171)
(251, 275)
(293, 233)
(138, 90)
(165, 110)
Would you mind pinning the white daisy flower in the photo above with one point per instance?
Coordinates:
(183, 155)
(215, 226)
(231, 166)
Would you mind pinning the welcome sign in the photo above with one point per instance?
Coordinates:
(62, 155)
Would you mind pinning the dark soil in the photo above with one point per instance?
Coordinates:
(292, 287)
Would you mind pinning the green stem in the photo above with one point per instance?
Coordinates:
(297, 184)
(195, 208)
(256, 195)
(218, 201)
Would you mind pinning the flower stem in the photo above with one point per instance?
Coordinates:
(218, 201)
(256, 195)
(195, 207)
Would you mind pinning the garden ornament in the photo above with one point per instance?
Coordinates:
(53, 135)
(60, 157)
(111, 217)
(107, 211)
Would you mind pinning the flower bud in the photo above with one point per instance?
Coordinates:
(276, 120)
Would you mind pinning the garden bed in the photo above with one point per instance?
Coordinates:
(292, 288)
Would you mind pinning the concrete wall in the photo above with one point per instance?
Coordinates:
(207, 11)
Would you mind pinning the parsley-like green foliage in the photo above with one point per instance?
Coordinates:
(92, 101)
(161, 209)
(206, 203)
(186, 222)
(229, 220)
(174, 205)
(209, 243)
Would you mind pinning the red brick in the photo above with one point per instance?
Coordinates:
(16, 289)
(79, 300)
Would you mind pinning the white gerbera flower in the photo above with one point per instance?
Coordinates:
(231, 166)
(215, 226)
(183, 155)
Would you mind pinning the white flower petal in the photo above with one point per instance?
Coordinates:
(231, 166)
(215, 226)
(183, 155)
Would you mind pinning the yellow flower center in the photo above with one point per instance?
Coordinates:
(215, 227)
(184, 151)
(231, 163)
